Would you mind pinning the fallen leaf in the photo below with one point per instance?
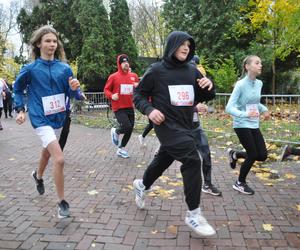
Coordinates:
(290, 176)
(139, 166)
(267, 227)
(298, 207)
(2, 196)
(229, 143)
(92, 171)
(179, 175)
(154, 231)
(176, 184)
(11, 159)
(172, 229)
(93, 192)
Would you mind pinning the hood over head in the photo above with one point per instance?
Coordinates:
(173, 42)
(122, 58)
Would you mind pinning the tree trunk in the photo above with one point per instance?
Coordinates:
(273, 77)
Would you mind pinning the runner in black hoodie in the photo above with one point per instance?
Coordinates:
(175, 86)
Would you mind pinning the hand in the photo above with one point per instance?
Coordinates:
(204, 82)
(201, 108)
(254, 114)
(20, 118)
(115, 96)
(266, 115)
(74, 83)
(156, 117)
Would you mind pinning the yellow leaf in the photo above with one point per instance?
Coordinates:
(139, 166)
(93, 171)
(274, 156)
(172, 229)
(229, 143)
(290, 176)
(179, 175)
(154, 231)
(267, 227)
(164, 178)
(2, 196)
(298, 207)
(93, 192)
(176, 184)
(11, 159)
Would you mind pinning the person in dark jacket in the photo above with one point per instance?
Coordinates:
(175, 86)
(7, 102)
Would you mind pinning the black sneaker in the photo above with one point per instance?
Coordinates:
(243, 188)
(285, 153)
(39, 183)
(211, 189)
(232, 161)
(63, 209)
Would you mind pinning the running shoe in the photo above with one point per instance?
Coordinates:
(139, 190)
(242, 188)
(123, 153)
(232, 161)
(63, 209)
(198, 223)
(211, 189)
(39, 183)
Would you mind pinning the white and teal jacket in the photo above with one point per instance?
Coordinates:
(245, 95)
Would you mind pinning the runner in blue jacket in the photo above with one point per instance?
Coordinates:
(49, 82)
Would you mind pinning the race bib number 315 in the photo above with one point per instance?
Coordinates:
(181, 95)
(54, 104)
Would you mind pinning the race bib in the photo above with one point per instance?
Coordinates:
(126, 89)
(251, 108)
(54, 104)
(181, 95)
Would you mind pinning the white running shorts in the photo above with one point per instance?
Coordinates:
(47, 134)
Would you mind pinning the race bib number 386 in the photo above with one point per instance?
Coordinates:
(181, 95)
(54, 104)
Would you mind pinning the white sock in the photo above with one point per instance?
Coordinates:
(195, 211)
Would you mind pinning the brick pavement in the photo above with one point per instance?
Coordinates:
(104, 215)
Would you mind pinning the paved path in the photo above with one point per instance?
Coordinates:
(104, 215)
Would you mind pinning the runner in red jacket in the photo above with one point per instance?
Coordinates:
(119, 89)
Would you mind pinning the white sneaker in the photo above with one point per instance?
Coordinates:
(123, 153)
(142, 140)
(198, 223)
(139, 190)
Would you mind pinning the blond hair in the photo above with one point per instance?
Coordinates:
(36, 39)
(247, 60)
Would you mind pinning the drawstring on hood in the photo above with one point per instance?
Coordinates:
(173, 42)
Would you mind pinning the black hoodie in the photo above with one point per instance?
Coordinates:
(156, 84)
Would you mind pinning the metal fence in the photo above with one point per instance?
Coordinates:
(284, 125)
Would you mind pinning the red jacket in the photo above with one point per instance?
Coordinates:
(122, 83)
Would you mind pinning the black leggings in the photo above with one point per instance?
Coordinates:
(295, 151)
(125, 118)
(253, 142)
(148, 128)
(65, 131)
(187, 154)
